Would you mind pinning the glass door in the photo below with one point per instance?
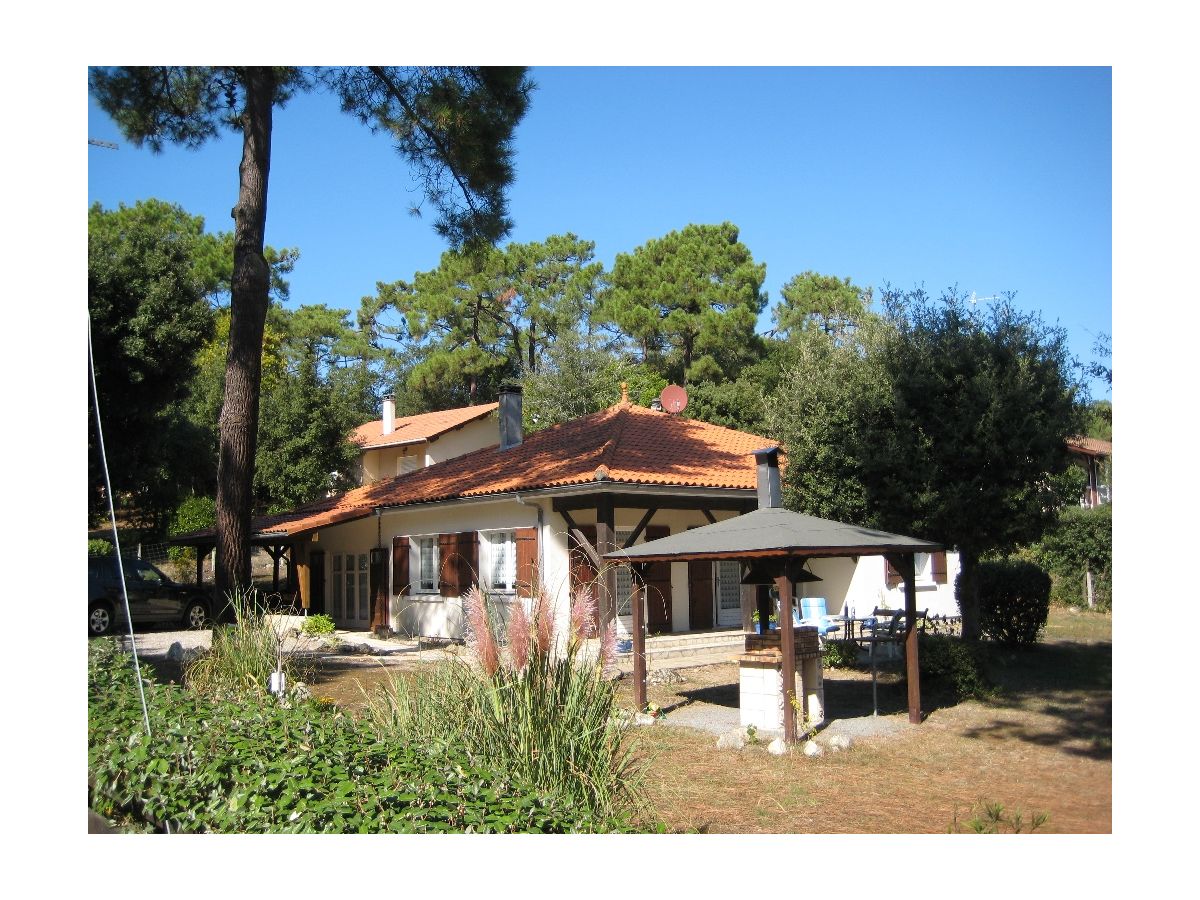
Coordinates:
(729, 593)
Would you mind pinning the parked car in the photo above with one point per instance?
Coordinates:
(153, 597)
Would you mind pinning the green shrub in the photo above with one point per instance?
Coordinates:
(243, 655)
(950, 662)
(540, 711)
(1080, 542)
(248, 766)
(1014, 601)
(99, 547)
(193, 514)
(839, 654)
(318, 624)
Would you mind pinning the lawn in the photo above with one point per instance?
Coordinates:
(1043, 744)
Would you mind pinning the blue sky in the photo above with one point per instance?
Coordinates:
(988, 179)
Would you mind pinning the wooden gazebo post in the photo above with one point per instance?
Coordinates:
(905, 564)
(787, 645)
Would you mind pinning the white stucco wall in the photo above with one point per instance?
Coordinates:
(861, 585)
(431, 615)
(382, 462)
(475, 435)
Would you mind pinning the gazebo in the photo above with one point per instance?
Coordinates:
(775, 543)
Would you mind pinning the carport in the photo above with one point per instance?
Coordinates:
(775, 543)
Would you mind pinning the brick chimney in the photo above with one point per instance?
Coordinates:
(389, 414)
(769, 493)
(510, 416)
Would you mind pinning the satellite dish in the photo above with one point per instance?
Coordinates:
(674, 398)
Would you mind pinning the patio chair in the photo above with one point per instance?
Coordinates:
(813, 612)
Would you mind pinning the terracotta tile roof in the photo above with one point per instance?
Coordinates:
(419, 428)
(625, 444)
(1090, 446)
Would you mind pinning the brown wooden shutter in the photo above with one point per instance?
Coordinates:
(468, 560)
(400, 580)
(582, 571)
(937, 564)
(700, 594)
(448, 580)
(458, 561)
(893, 574)
(526, 540)
(658, 586)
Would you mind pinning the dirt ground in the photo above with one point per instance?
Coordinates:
(1042, 744)
(1047, 752)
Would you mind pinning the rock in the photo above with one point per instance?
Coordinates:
(643, 719)
(812, 748)
(840, 742)
(665, 676)
(731, 740)
(777, 747)
(300, 692)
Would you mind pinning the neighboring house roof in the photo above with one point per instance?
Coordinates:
(1089, 446)
(413, 429)
(624, 444)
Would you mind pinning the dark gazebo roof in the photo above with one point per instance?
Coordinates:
(773, 532)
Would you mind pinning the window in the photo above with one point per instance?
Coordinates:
(337, 586)
(406, 464)
(624, 581)
(499, 560)
(364, 600)
(426, 549)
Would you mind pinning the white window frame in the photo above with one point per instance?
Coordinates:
(415, 543)
(488, 540)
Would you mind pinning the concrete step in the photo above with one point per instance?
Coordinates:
(699, 639)
(682, 661)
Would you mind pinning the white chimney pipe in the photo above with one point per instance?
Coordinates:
(389, 414)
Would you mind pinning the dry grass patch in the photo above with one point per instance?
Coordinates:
(1043, 744)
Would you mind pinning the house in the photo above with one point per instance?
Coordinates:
(392, 446)
(1093, 454)
(516, 511)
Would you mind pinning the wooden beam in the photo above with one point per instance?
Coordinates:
(905, 564)
(787, 645)
(567, 518)
(712, 520)
(634, 500)
(586, 546)
(639, 636)
(641, 526)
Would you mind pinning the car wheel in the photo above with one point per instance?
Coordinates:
(196, 615)
(100, 619)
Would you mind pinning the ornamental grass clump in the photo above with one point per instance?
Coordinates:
(539, 709)
(243, 655)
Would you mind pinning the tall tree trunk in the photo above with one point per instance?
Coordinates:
(243, 365)
(968, 593)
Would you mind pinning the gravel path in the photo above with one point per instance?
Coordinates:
(155, 645)
(721, 719)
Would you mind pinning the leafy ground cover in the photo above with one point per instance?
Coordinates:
(251, 765)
